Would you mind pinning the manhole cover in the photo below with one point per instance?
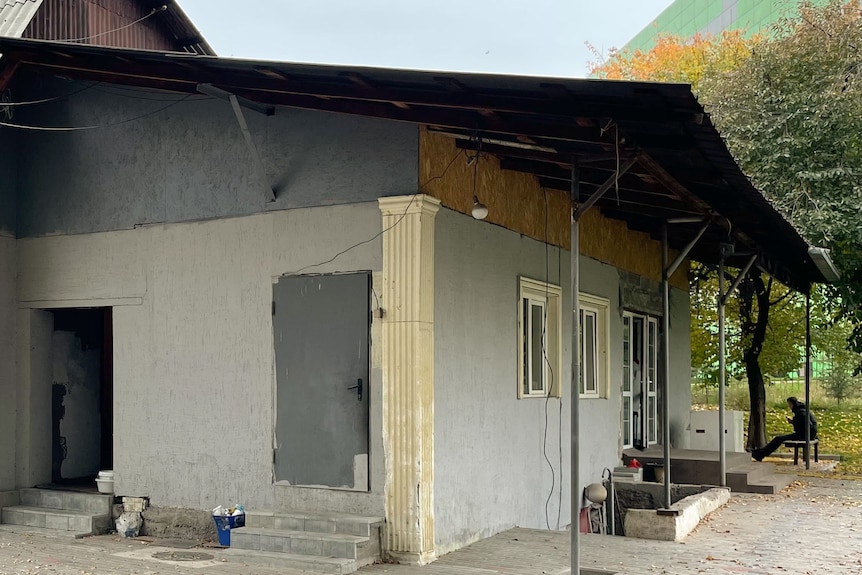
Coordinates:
(182, 556)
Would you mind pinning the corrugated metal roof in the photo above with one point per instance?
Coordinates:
(15, 16)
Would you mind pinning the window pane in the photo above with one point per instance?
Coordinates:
(581, 351)
(627, 381)
(525, 353)
(627, 422)
(538, 364)
(651, 357)
(589, 339)
(651, 426)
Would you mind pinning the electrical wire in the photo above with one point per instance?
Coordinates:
(153, 12)
(96, 127)
(46, 100)
(380, 233)
(558, 485)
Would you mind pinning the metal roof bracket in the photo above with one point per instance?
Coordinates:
(671, 269)
(597, 195)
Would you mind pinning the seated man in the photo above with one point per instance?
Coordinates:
(801, 418)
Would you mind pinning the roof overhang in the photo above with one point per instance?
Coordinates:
(541, 126)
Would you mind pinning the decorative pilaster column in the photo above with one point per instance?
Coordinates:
(408, 375)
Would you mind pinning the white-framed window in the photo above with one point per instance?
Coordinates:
(594, 358)
(539, 338)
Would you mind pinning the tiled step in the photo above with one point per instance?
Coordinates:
(94, 503)
(307, 543)
(361, 525)
(329, 565)
(62, 519)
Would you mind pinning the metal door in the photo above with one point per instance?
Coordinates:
(321, 329)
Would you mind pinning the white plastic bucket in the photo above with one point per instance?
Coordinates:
(105, 481)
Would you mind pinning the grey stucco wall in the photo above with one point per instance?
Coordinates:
(185, 159)
(193, 342)
(680, 367)
(490, 469)
(8, 390)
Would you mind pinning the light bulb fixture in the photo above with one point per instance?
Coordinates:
(480, 210)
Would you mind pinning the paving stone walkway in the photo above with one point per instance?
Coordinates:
(814, 528)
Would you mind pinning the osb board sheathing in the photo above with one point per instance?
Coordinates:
(517, 202)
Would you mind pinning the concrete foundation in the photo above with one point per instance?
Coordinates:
(679, 520)
(171, 522)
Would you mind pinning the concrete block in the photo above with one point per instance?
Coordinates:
(343, 549)
(319, 525)
(9, 498)
(290, 523)
(306, 546)
(262, 519)
(135, 504)
(81, 523)
(50, 499)
(241, 540)
(34, 518)
(31, 497)
(274, 543)
(56, 521)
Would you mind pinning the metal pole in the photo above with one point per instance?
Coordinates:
(665, 344)
(808, 377)
(721, 372)
(574, 472)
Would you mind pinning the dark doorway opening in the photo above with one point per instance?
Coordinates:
(82, 392)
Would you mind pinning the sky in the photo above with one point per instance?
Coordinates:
(529, 37)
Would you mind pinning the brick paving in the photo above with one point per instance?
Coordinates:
(812, 528)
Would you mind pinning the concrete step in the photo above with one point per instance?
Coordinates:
(339, 545)
(330, 565)
(361, 525)
(741, 475)
(95, 503)
(771, 484)
(62, 519)
(42, 532)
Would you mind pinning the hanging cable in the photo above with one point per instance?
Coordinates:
(153, 12)
(46, 100)
(95, 127)
(380, 234)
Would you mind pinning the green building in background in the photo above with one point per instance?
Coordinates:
(688, 17)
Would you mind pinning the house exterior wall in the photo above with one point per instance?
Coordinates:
(490, 469)
(8, 314)
(189, 161)
(8, 337)
(193, 349)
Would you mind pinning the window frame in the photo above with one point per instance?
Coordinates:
(550, 296)
(600, 308)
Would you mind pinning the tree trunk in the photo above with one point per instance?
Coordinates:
(753, 322)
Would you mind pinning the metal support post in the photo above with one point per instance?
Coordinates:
(722, 348)
(808, 377)
(665, 344)
(574, 472)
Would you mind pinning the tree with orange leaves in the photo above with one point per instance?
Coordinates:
(790, 108)
(681, 60)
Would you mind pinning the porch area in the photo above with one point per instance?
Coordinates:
(700, 467)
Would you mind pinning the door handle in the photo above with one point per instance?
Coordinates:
(358, 388)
